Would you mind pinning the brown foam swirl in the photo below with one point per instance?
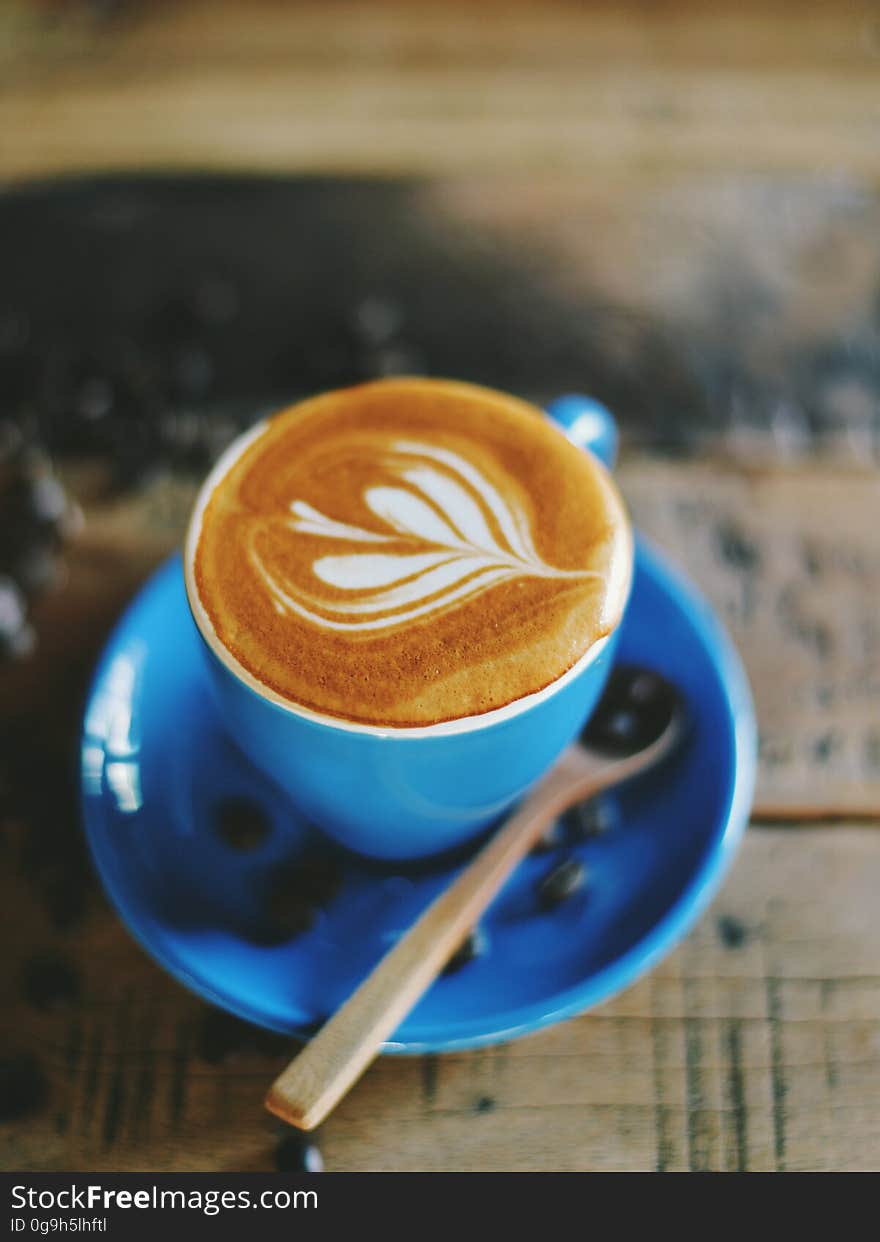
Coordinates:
(409, 552)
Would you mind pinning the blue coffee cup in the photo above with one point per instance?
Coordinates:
(406, 793)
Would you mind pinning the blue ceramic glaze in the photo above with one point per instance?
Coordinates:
(409, 793)
(587, 424)
(157, 759)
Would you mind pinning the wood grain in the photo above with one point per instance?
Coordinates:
(790, 560)
(428, 87)
(756, 1045)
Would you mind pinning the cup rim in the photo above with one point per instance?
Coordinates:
(442, 728)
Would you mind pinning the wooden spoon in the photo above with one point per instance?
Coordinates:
(635, 725)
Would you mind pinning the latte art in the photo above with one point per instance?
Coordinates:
(443, 504)
(407, 552)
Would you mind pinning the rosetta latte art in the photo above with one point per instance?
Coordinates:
(408, 551)
(447, 536)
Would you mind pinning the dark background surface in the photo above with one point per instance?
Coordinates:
(127, 302)
(125, 299)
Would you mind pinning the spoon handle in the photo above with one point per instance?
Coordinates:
(334, 1059)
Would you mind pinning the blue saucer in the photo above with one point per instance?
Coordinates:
(157, 764)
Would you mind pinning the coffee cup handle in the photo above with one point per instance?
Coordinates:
(587, 424)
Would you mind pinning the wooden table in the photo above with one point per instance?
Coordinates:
(701, 189)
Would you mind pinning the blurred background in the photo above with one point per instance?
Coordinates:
(210, 209)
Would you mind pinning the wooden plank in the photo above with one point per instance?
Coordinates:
(755, 1045)
(435, 87)
(791, 562)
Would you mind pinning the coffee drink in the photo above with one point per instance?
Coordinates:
(408, 552)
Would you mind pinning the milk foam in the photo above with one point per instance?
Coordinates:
(443, 503)
(408, 553)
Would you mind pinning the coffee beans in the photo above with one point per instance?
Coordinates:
(296, 1153)
(17, 638)
(562, 882)
(471, 948)
(294, 897)
(553, 838)
(588, 820)
(35, 519)
(636, 708)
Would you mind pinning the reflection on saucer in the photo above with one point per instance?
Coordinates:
(110, 747)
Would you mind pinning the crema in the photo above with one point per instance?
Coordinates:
(409, 552)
